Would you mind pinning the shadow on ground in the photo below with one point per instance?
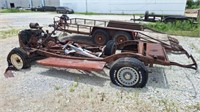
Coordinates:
(157, 78)
(72, 75)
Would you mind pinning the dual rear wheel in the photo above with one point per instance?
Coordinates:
(101, 37)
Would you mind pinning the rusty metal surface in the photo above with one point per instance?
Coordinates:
(9, 72)
(73, 63)
(108, 59)
(125, 25)
(156, 51)
(149, 50)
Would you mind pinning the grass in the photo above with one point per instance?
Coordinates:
(87, 13)
(13, 11)
(74, 85)
(56, 87)
(94, 13)
(168, 106)
(194, 107)
(8, 33)
(184, 28)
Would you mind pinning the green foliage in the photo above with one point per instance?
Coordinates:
(93, 13)
(74, 85)
(13, 11)
(87, 13)
(184, 28)
(193, 4)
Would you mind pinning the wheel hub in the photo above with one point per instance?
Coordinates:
(100, 38)
(16, 61)
(128, 76)
(121, 39)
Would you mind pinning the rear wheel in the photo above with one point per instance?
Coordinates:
(122, 36)
(129, 72)
(100, 37)
(67, 12)
(18, 58)
(110, 48)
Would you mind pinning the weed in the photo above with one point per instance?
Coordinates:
(168, 105)
(195, 107)
(8, 33)
(74, 85)
(56, 87)
(91, 90)
(103, 96)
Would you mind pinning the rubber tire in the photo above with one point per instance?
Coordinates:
(103, 33)
(133, 63)
(125, 34)
(110, 48)
(20, 52)
(67, 12)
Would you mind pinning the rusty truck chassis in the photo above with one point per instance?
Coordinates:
(148, 50)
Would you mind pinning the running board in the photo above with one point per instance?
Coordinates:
(73, 63)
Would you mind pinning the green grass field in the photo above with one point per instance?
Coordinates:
(178, 28)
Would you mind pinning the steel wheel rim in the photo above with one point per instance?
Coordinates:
(100, 39)
(16, 61)
(128, 76)
(121, 39)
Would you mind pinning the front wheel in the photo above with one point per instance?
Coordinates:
(129, 72)
(18, 58)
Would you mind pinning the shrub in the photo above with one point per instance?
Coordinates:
(193, 4)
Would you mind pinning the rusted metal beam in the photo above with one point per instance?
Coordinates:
(73, 63)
